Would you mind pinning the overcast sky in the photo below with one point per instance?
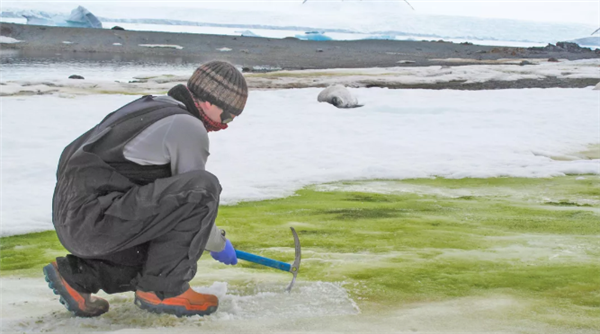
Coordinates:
(575, 11)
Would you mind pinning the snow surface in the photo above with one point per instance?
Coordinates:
(46, 76)
(285, 140)
(8, 40)
(166, 46)
(267, 303)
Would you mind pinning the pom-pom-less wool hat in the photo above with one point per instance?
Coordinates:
(221, 84)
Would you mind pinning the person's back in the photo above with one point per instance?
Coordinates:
(134, 204)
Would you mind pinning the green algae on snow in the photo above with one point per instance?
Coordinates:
(393, 243)
(34, 250)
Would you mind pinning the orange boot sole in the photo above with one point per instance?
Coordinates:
(73, 300)
(177, 306)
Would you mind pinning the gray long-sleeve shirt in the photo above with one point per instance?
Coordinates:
(180, 140)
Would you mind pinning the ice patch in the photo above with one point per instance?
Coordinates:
(41, 312)
(270, 301)
(166, 46)
(8, 40)
(261, 69)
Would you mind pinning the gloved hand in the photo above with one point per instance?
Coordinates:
(227, 255)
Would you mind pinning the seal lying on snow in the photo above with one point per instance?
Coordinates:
(339, 96)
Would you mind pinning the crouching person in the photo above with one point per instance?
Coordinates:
(134, 205)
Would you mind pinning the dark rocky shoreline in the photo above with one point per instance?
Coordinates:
(514, 84)
(290, 54)
(255, 54)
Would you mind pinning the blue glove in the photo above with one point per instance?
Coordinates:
(227, 255)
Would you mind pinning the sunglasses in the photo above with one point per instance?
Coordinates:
(226, 117)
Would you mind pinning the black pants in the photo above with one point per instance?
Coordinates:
(149, 238)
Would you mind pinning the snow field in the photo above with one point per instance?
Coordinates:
(286, 140)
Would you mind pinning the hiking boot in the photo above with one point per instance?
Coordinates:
(186, 304)
(81, 304)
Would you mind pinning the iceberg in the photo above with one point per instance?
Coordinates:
(43, 19)
(79, 17)
(246, 33)
(314, 36)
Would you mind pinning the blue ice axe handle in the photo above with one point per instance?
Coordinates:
(292, 268)
(263, 260)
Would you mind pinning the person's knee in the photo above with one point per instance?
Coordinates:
(206, 180)
(202, 181)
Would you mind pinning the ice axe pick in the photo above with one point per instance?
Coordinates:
(292, 268)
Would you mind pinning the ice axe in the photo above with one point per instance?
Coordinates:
(292, 268)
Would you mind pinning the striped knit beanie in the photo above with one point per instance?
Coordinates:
(221, 84)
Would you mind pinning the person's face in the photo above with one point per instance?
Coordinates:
(214, 113)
